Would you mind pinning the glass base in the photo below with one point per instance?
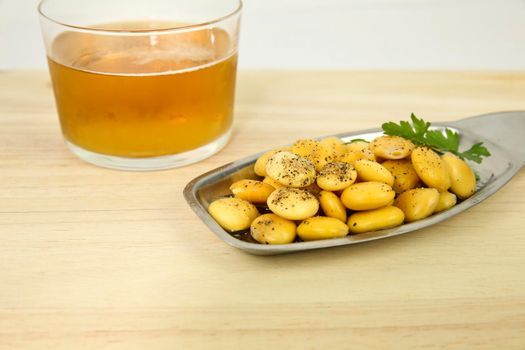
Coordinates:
(152, 163)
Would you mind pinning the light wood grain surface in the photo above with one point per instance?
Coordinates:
(92, 258)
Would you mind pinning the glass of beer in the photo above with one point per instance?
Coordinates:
(143, 85)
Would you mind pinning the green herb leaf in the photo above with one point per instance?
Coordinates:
(448, 141)
(475, 153)
(357, 140)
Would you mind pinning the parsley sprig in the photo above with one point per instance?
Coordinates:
(441, 142)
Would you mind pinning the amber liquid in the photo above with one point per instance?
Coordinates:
(143, 96)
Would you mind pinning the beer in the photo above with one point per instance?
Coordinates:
(145, 96)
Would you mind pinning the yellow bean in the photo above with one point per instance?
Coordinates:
(307, 148)
(336, 176)
(446, 200)
(368, 154)
(357, 146)
(405, 176)
(273, 229)
(391, 147)
(332, 205)
(462, 178)
(319, 154)
(321, 227)
(313, 189)
(290, 169)
(368, 170)
(377, 219)
(335, 147)
(430, 168)
(418, 203)
(268, 180)
(260, 165)
(323, 157)
(367, 195)
(330, 149)
(357, 150)
(233, 214)
(251, 190)
(293, 203)
(351, 157)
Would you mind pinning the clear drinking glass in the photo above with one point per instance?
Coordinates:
(143, 85)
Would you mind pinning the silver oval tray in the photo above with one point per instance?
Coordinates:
(502, 133)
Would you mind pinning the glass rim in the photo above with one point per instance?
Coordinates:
(236, 11)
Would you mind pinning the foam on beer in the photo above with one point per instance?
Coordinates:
(148, 54)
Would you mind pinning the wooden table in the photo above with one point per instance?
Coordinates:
(92, 258)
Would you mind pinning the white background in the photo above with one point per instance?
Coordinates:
(338, 34)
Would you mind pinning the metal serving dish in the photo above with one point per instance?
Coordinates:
(502, 133)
